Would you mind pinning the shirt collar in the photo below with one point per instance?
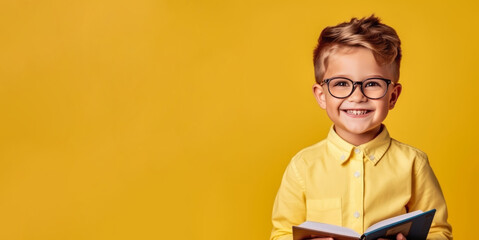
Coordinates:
(374, 150)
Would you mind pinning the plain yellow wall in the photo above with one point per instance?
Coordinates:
(175, 119)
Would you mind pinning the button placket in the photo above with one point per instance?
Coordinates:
(356, 189)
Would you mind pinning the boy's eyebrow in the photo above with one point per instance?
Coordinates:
(367, 76)
(376, 76)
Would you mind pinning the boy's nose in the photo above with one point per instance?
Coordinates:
(357, 95)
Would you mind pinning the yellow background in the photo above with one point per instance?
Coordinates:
(175, 119)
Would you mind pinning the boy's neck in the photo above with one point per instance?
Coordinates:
(358, 139)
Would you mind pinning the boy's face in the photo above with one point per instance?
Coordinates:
(356, 118)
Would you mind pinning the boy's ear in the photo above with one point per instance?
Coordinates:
(395, 95)
(320, 96)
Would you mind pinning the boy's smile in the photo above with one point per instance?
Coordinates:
(357, 113)
(357, 119)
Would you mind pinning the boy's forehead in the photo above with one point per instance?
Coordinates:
(348, 60)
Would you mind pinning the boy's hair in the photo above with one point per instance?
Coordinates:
(369, 33)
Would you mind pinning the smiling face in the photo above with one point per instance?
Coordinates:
(356, 118)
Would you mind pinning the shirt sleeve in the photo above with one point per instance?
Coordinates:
(289, 206)
(427, 195)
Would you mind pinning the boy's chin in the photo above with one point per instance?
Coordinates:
(360, 130)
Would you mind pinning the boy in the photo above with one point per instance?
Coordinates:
(358, 175)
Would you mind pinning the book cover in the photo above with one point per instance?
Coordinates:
(413, 225)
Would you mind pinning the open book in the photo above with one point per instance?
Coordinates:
(413, 225)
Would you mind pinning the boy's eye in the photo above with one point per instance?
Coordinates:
(341, 83)
(372, 84)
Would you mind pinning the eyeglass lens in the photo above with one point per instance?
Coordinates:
(372, 88)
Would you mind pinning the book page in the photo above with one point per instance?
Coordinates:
(330, 228)
(392, 220)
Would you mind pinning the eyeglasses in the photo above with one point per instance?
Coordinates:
(372, 88)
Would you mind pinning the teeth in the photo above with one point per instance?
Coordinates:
(356, 112)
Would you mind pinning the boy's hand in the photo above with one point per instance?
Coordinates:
(398, 237)
(321, 238)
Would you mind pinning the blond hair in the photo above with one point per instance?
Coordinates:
(369, 33)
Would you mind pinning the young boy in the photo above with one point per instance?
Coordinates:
(358, 175)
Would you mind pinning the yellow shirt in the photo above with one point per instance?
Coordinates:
(356, 186)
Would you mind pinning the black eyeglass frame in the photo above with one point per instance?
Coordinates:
(388, 82)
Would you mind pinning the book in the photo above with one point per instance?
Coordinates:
(414, 226)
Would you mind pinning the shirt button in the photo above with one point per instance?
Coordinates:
(371, 157)
(356, 214)
(342, 157)
(357, 150)
(357, 174)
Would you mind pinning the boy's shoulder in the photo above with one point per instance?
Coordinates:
(312, 153)
(407, 149)
(321, 149)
